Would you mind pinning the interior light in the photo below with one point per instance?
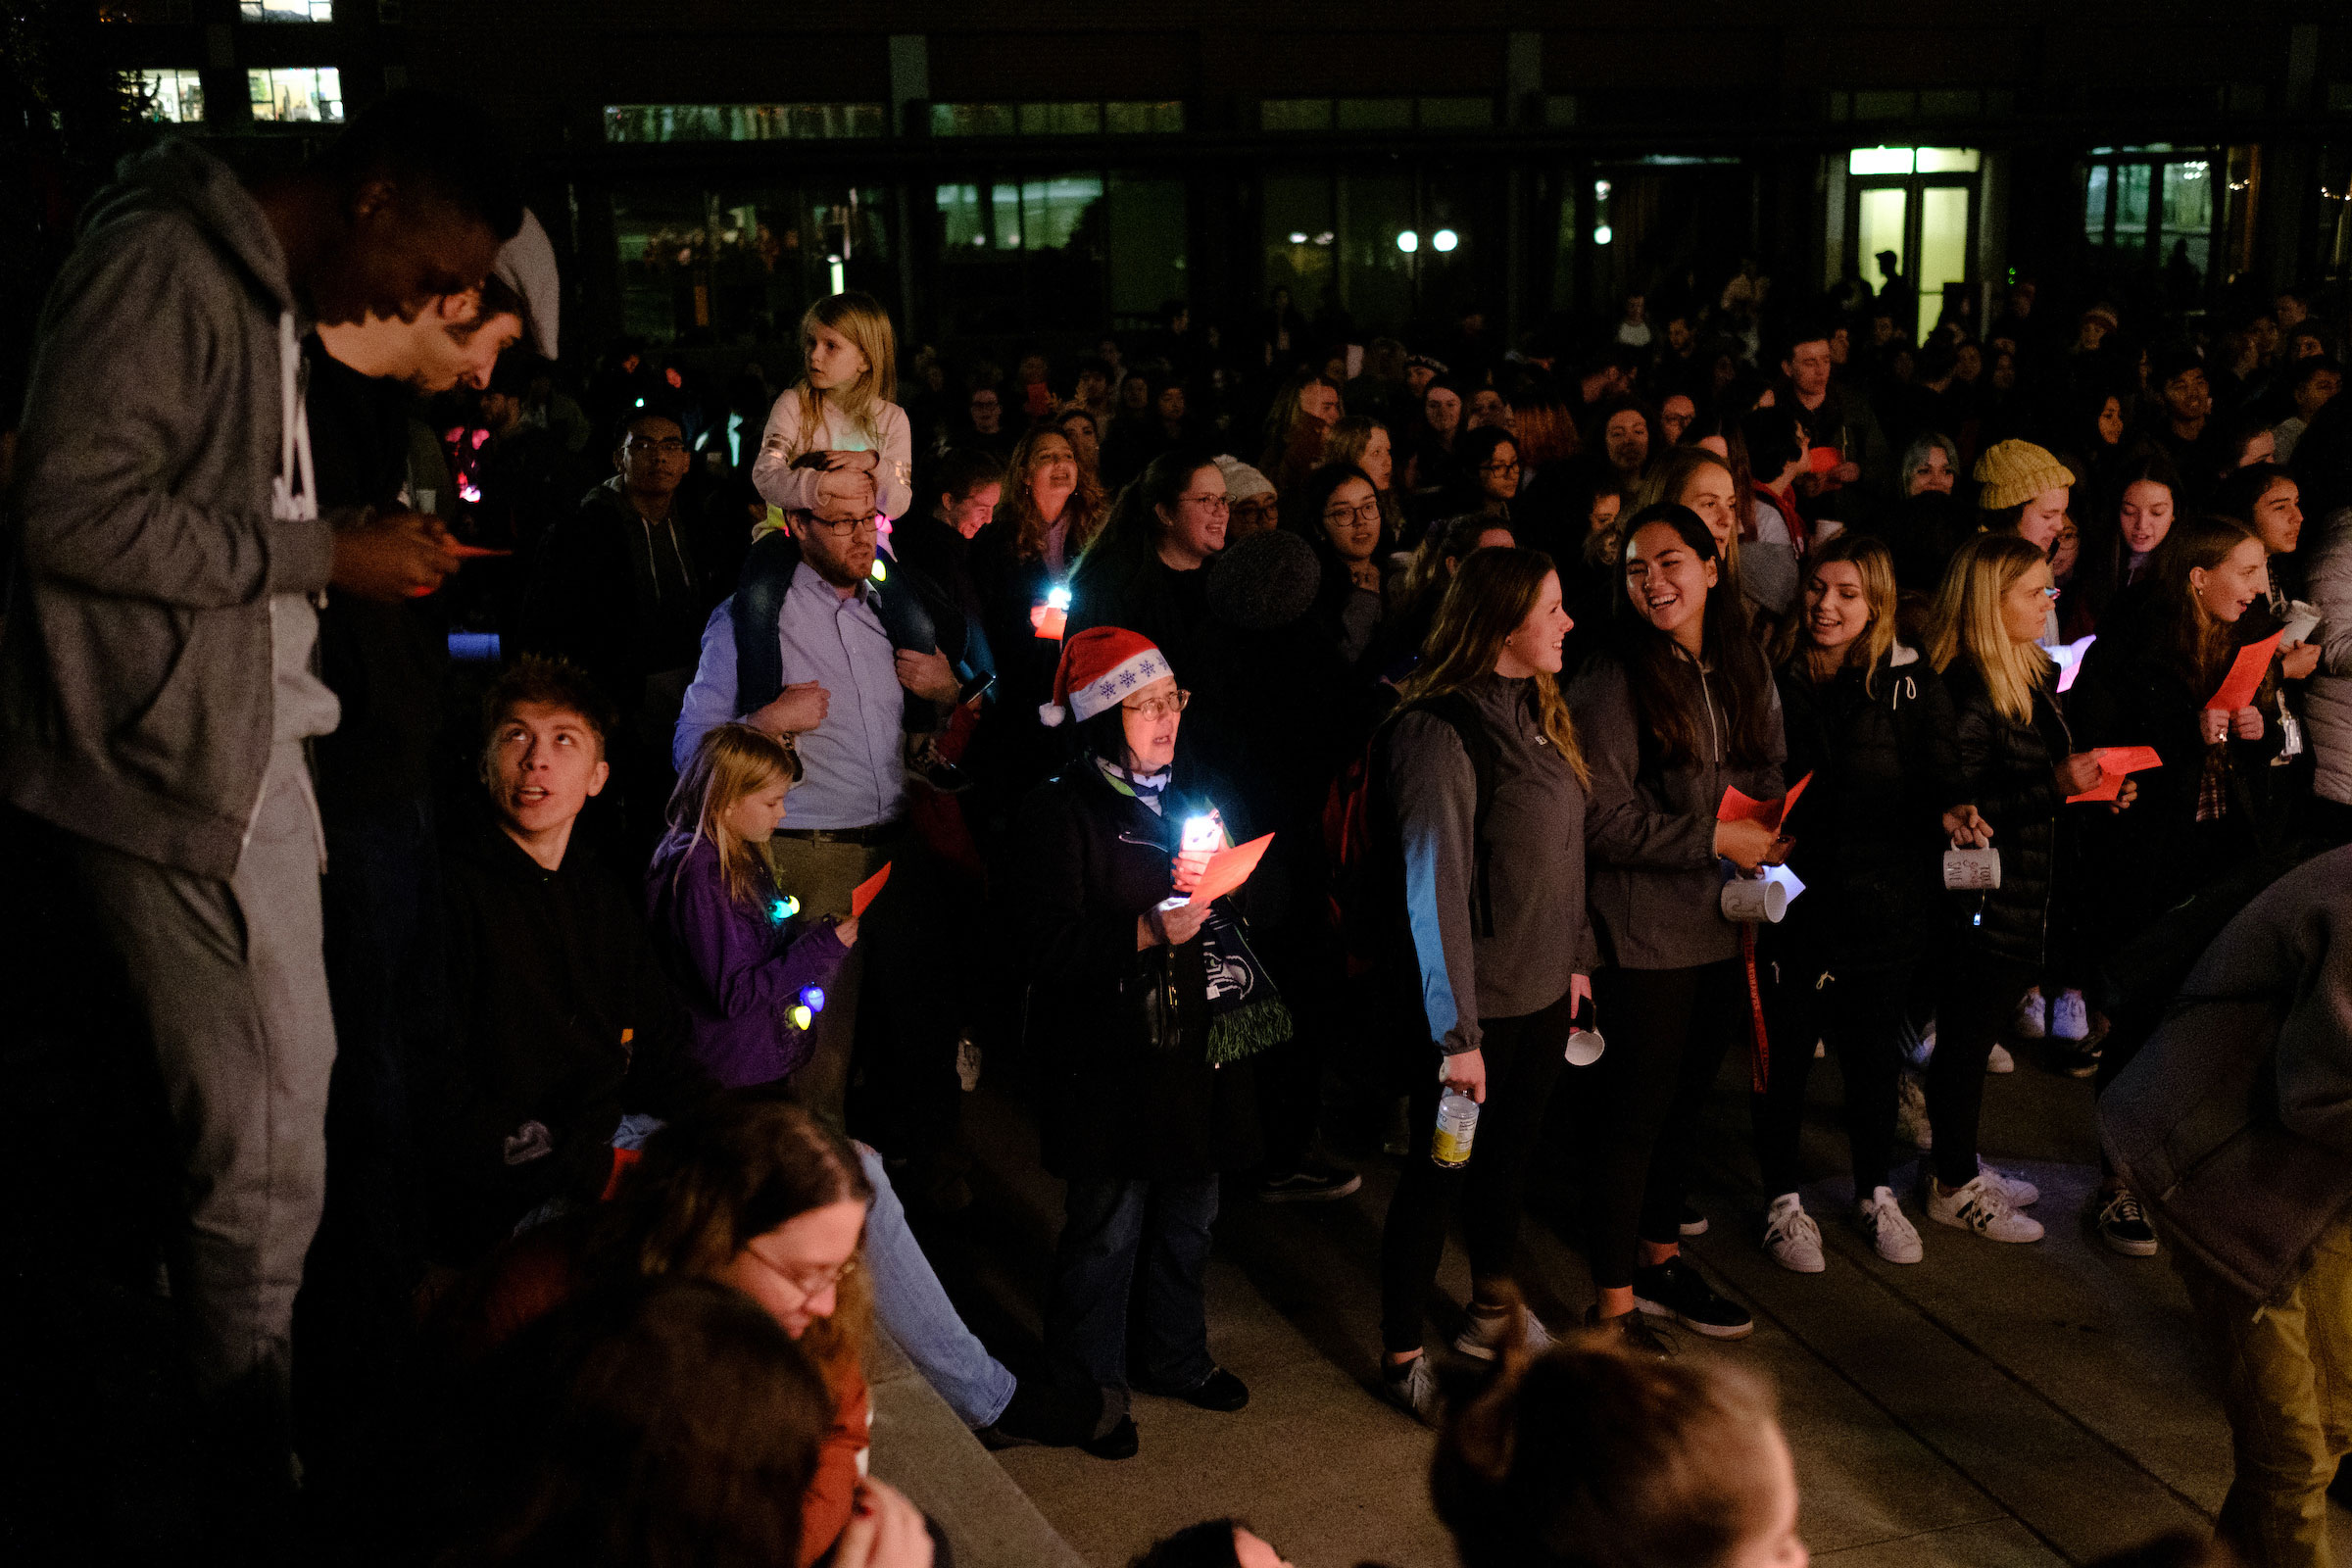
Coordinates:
(1324, 238)
(1298, 236)
(1408, 242)
(1445, 239)
(1602, 235)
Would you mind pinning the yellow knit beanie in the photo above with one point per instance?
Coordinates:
(2014, 472)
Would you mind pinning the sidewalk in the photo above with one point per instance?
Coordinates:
(1987, 1408)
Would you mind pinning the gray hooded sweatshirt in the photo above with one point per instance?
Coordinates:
(159, 633)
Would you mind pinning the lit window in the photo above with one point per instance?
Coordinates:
(1376, 114)
(1457, 114)
(1143, 119)
(972, 119)
(168, 97)
(1060, 120)
(742, 122)
(1295, 114)
(1947, 160)
(286, 10)
(295, 94)
(1878, 161)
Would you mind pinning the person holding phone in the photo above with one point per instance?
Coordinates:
(1678, 709)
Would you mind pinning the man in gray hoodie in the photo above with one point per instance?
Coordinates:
(157, 688)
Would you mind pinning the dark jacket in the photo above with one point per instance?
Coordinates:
(939, 566)
(1868, 830)
(620, 597)
(1121, 1036)
(1144, 596)
(2008, 770)
(1651, 871)
(560, 1023)
(738, 969)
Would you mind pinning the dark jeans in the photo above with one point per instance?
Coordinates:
(1976, 996)
(1524, 1060)
(1109, 1226)
(382, 901)
(1860, 1018)
(1667, 1031)
(1289, 1077)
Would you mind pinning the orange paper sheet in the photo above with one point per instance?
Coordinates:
(2115, 761)
(2245, 675)
(1229, 869)
(864, 894)
(1049, 621)
(1737, 807)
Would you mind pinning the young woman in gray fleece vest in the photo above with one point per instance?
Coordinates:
(1678, 709)
(1495, 895)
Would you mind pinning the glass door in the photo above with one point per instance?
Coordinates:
(1917, 205)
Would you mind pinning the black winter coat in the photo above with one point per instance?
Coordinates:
(1121, 1037)
(2009, 771)
(1868, 831)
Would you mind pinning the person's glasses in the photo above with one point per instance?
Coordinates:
(1211, 503)
(667, 448)
(809, 1286)
(1158, 707)
(2048, 593)
(1364, 511)
(1499, 467)
(850, 528)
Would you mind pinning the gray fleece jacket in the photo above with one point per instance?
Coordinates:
(1508, 947)
(154, 582)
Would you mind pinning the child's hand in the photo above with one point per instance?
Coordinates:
(864, 462)
(845, 496)
(847, 930)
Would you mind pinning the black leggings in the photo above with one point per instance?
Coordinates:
(1524, 1058)
(1859, 1016)
(1977, 995)
(1667, 1031)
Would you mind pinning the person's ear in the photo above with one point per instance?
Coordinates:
(1714, 571)
(597, 777)
(2197, 578)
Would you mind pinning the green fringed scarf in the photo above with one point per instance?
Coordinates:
(1246, 1016)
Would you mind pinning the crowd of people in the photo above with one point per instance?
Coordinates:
(1241, 749)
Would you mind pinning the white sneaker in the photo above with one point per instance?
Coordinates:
(1416, 1393)
(2021, 1192)
(2031, 1009)
(1911, 1113)
(1791, 1237)
(1982, 1207)
(1998, 1058)
(1888, 1228)
(2070, 1017)
(1926, 1048)
(1481, 1338)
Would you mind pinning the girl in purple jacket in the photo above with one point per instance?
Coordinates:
(751, 972)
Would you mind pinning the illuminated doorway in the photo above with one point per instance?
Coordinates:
(1919, 203)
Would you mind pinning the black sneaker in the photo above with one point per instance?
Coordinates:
(1311, 1183)
(1672, 1289)
(1219, 1391)
(1119, 1443)
(1632, 1332)
(2124, 1225)
(1041, 1413)
(2078, 1058)
(1692, 1222)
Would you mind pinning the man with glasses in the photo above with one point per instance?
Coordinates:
(621, 593)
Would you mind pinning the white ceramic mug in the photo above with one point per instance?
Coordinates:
(1972, 871)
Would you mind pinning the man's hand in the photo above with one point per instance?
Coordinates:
(929, 675)
(845, 495)
(2078, 773)
(799, 707)
(1465, 1072)
(2298, 662)
(2125, 796)
(1968, 828)
(402, 555)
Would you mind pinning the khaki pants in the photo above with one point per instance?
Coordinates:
(2286, 1387)
(822, 876)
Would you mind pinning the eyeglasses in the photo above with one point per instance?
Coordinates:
(2050, 593)
(1212, 503)
(666, 447)
(1498, 467)
(849, 529)
(809, 1286)
(1158, 707)
(1364, 511)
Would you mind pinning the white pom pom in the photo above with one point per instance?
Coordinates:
(1052, 714)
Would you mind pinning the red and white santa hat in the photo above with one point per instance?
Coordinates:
(1101, 667)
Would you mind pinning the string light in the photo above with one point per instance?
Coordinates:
(813, 998)
(784, 908)
(802, 1019)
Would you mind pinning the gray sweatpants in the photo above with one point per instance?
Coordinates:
(231, 979)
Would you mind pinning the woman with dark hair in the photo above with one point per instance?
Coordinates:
(1417, 591)
(1149, 1088)
(2121, 538)
(1622, 432)
(1487, 472)
(1338, 512)
(1144, 570)
(1480, 768)
(1761, 573)
(1163, 424)
(2265, 499)
(1680, 708)
(1434, 465)
(1870, 722)
(1364, 442)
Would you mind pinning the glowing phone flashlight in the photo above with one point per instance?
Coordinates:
(1200, 833)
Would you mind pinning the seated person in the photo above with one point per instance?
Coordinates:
(559, 1024)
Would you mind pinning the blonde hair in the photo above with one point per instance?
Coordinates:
(1665, 481)
(861, 320)
(732, 761)
(1493, 591)
(1967, 620)
(1871, 558)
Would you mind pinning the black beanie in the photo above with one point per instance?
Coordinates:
(1263, 581)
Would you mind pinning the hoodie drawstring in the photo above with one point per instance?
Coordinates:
(294, 437)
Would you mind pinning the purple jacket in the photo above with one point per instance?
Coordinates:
(738, 973)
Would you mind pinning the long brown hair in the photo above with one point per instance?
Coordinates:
(2194, 642)
(718, 1177)
(1492, 592)
(1966, 620)
(1869, 556)
(1660, 674)
(729, 762)
(1029, 526)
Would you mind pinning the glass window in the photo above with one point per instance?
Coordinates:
(1883, 105)
(1559, 108)
(168, 97)
(1949, 103)
(1295, 114)
(1051, 210)
(739, 265)
(633, 122)
(2094, 202)
(1457, 114)
(153, 11)
(1947, 160)
(2185, 229)
(2132, 183)
(1376, 114)
(286, 10)
(1942, 250)
(959, 219)
(1376, 231)
(972, 119)
(1299, 236)
(1878, 161)
(1143, 119)
(295, 94)
(1881, 228)
(1060, 120)
(1147, 243)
